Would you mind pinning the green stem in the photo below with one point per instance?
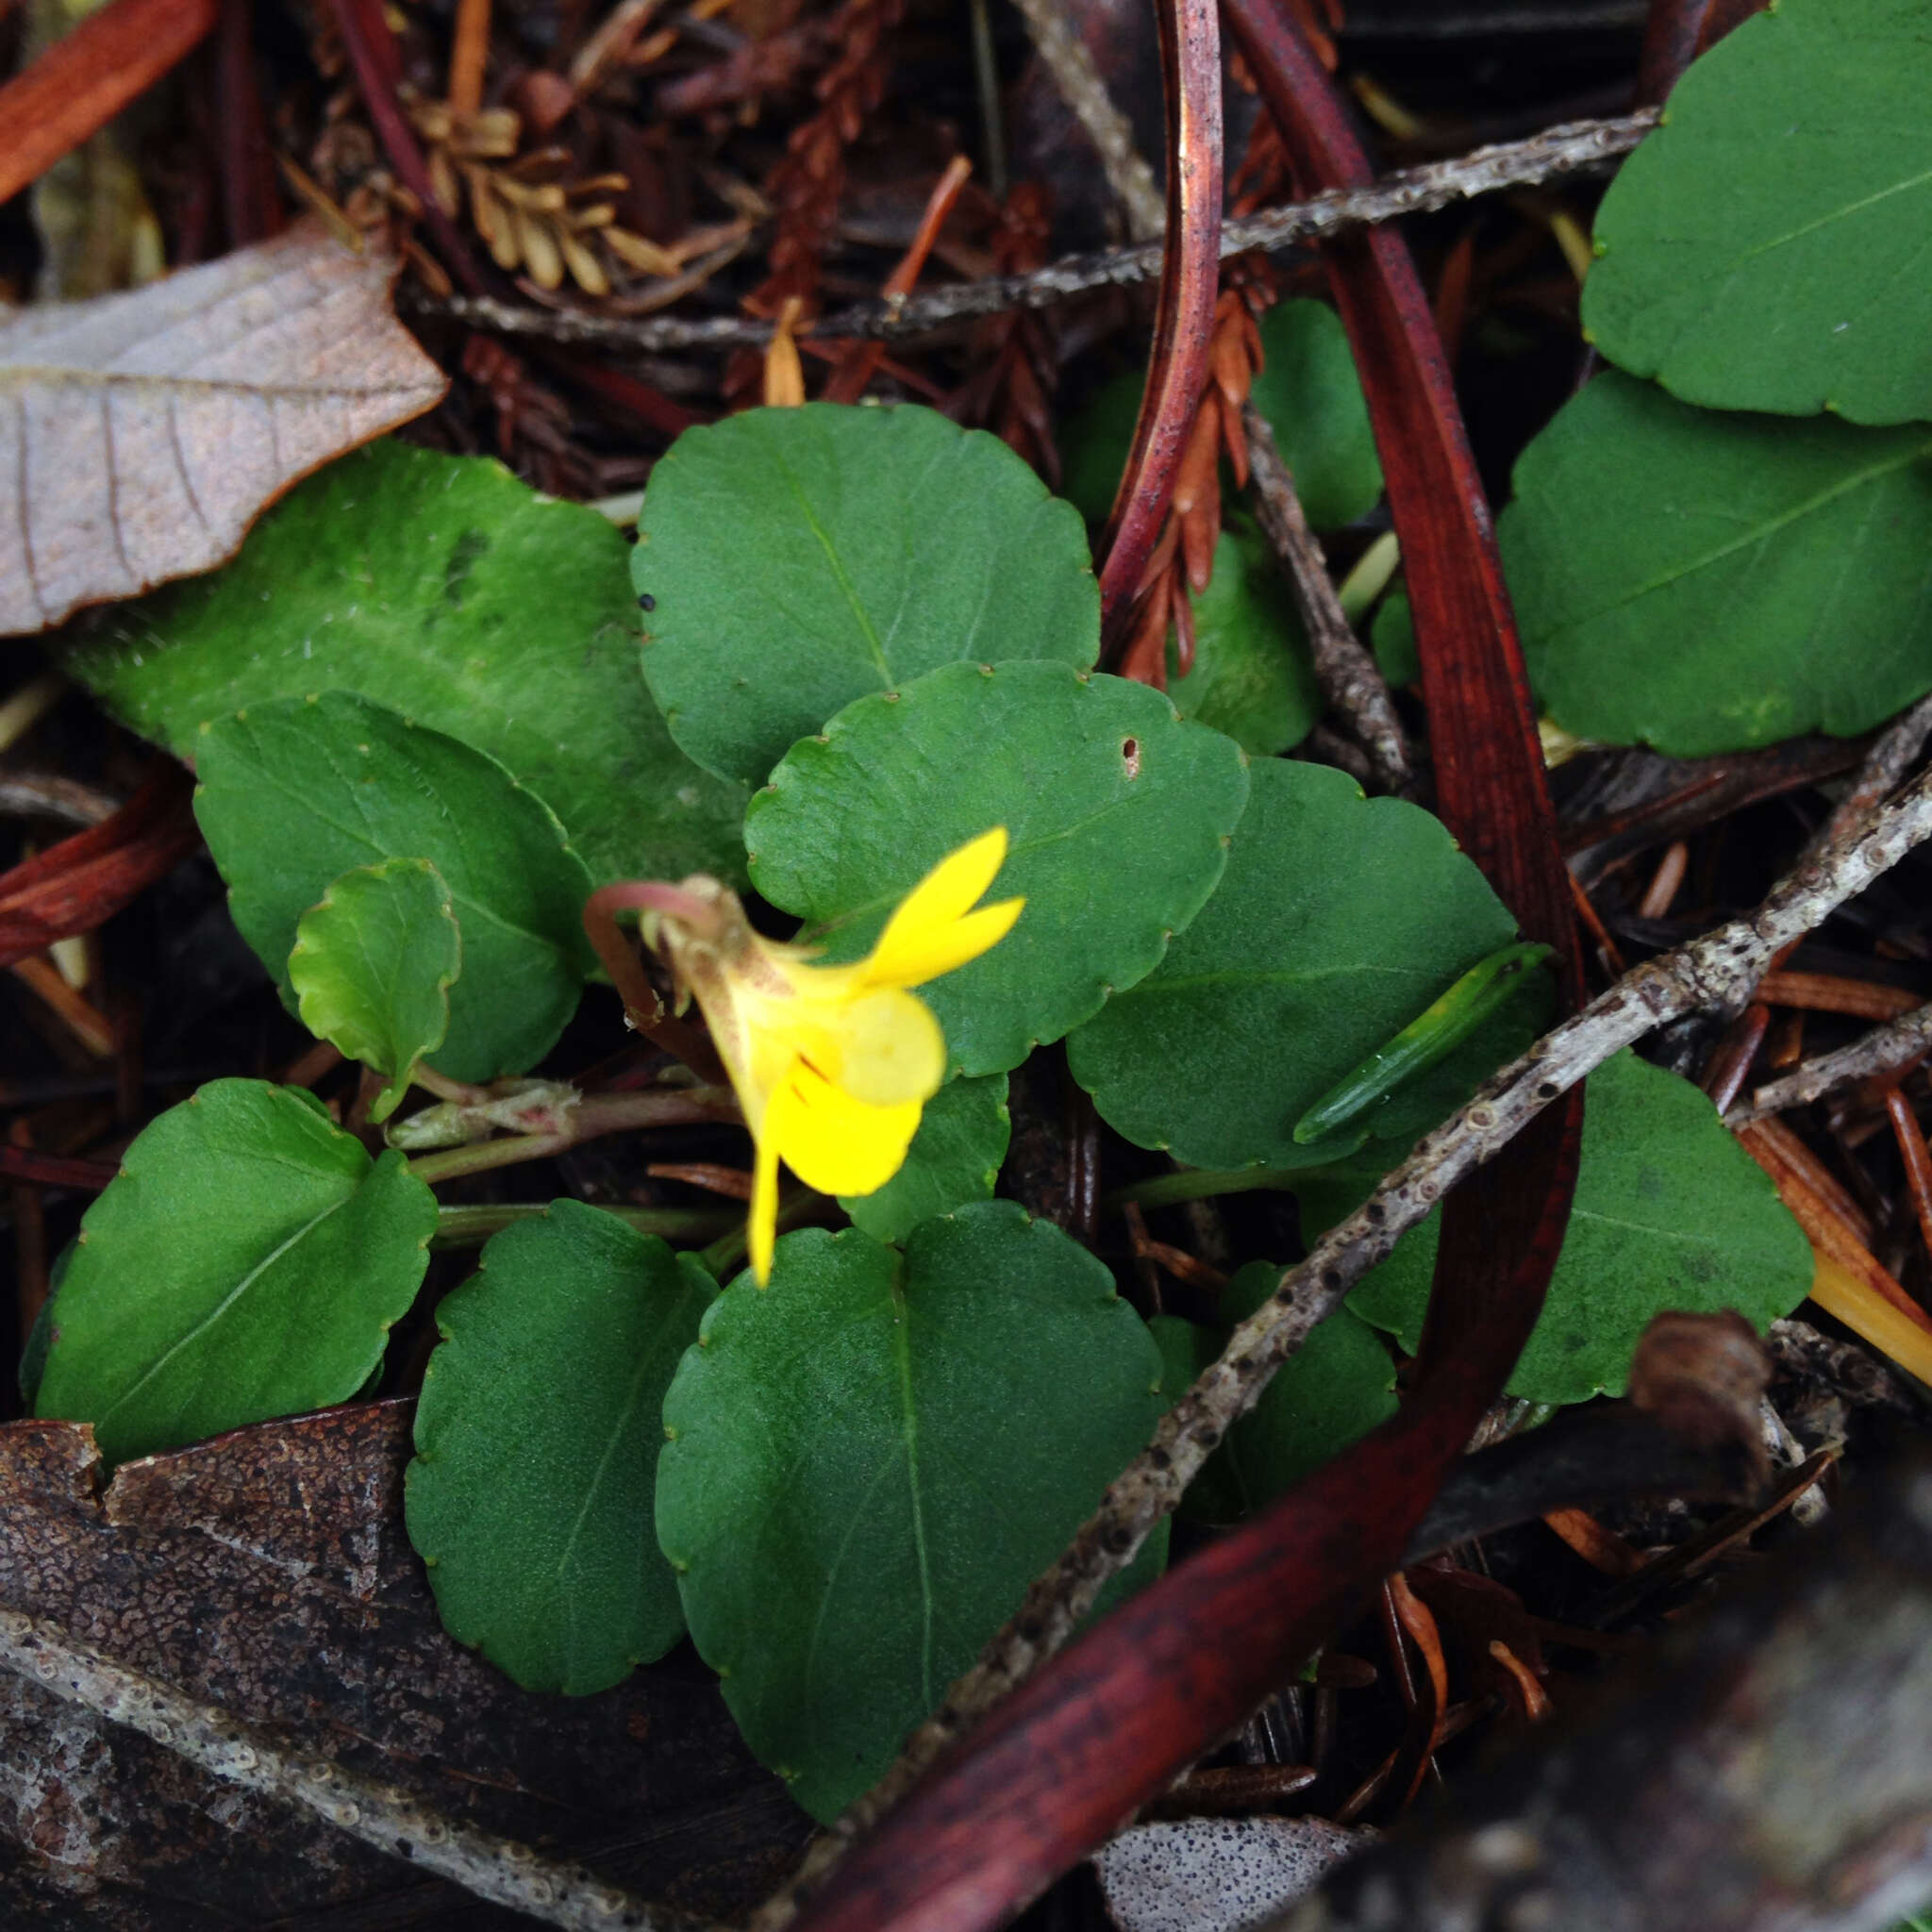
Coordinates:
(728, 1251)
(1198, 1183)
(464, 1228)
(600, 1113)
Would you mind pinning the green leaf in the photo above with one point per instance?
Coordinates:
(1338, 920)
(372, 965)
(1307, 389)
(798, 558)
(1669, 1214)
(1119, 816)
(450, 592)
(1706, 583)
(538, 1436)
(247, 1262)
(870, 1459)
(955, 1157)
(1251, 676)
(296, 792)
(1337, 1387)
(1313, 398)
(1765, 248)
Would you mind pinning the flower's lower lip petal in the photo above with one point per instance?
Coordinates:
(834, 1142)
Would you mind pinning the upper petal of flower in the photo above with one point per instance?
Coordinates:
(932, 932)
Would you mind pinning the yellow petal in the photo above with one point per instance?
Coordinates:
(953, 945)
(830, 1140)
(762, 1228)
(921, 931)
(889, 1050)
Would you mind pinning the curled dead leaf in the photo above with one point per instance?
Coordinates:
(142, 433)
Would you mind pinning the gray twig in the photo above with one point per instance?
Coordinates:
(1883, 1050)
(1065, 56)
(382, 1815)
(1886, 767)
(1578, 147)
(1710, 971)
(1343, 668)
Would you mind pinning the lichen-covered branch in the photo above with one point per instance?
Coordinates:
(1884, 1050)
(1577, 147)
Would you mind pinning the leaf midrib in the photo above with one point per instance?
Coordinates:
(1762, 532)
(227, 1302)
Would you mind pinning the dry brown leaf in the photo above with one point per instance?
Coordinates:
(267, 1572)
(142, 433)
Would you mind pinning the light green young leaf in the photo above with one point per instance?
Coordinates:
(1253, 678)
(1118, 814)
(1706, 583)
(870, 1459)
(372, 967)
(797, 558)
(1766, 247)
(246, 1264)
(1669, 1214)
(955, 1157)
(447, 590)
(1338, 920)
(537, 1442)
(294, 793)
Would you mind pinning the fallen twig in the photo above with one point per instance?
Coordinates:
(1715, 971)
(1064, 55)
(1343, 668)
(1884, 1050)
(1577, 147)
(385, 1816)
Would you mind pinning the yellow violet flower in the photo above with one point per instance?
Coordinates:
(831, 1064)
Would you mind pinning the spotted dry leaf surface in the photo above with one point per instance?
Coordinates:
(140, 434)
(267, 1571)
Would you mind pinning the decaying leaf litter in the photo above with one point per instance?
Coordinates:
(610, 235)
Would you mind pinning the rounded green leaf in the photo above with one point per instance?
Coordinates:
(1118, 814)
(1252, 677)
(1307, 389)
(537, 1442)
(1669, 1214)
(1706, 583)
(448, 589)
(1338, 920)
(1766, 247)
(955, 1157)
(870, 1459)
(296, 792)
(797, 558)
(372, 965)
(248, 1262)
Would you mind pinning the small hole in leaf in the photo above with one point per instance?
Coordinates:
(1130, 756)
